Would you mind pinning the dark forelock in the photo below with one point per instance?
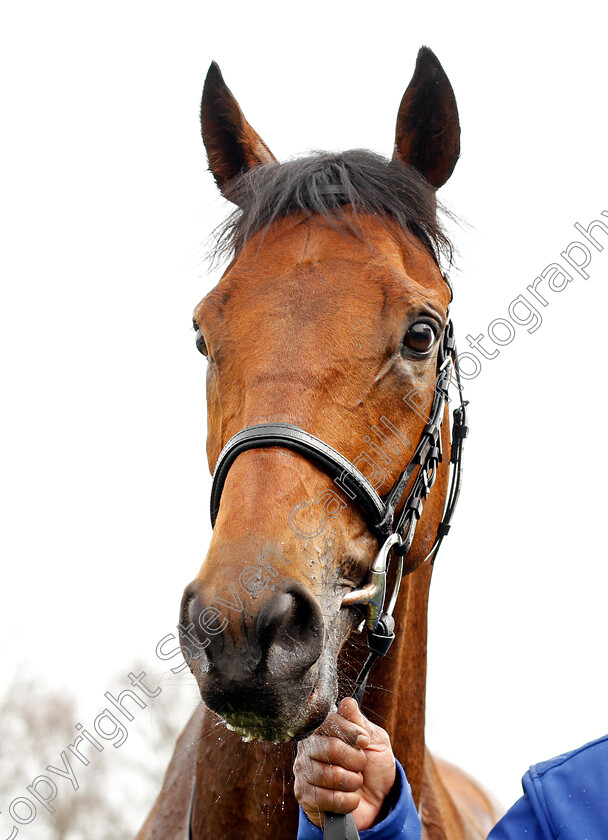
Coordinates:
(323, 184)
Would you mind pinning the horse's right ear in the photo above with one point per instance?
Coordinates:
(232, 144)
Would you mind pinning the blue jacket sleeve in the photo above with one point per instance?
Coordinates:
(519, 823)
(564, 798)
(402, 822)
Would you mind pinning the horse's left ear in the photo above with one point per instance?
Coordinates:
(232, 145)
(428, 130)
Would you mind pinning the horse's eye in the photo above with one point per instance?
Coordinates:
(420, 337)
(200, 343)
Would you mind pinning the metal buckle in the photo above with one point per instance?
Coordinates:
(372, 595)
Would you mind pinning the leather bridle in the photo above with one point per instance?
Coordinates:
(380, 512)
(394, 533)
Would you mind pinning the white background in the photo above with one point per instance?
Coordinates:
(106, 206)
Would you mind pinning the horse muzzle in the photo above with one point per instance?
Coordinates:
(257, 668)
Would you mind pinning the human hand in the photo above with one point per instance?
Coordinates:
(345, 765)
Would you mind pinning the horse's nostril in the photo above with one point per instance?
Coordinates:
(291, 624)
(304, 619)
(273, 618)
(198, 640)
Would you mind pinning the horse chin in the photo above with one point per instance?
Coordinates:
(276, 731)
(292, 722)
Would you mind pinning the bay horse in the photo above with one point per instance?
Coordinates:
(331, 312)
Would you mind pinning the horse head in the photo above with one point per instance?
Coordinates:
(330, 319)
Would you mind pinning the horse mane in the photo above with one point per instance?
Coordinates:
(323, 183)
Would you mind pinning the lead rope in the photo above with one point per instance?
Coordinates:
(381, 631)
